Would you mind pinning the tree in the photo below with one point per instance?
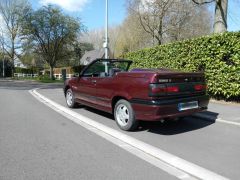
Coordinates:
(167, 21)
(11, 12)
(130, 36)
(79, 50)
(95, 37)
(188, 20)
(52, 34)
(153, 16)
(220, 19)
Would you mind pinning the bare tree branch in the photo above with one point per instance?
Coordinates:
(200, 2)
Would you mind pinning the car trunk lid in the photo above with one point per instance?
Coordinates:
(177, 83)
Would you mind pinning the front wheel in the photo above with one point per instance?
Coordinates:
(70, 99)
(125, 116)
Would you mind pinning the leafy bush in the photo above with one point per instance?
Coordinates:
(33, 70)
(217, 55)
(78, 69)
(44, 78)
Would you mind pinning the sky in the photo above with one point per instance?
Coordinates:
(92, 12)
(234, 15)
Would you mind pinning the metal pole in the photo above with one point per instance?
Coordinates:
(106, 31)
(106, 38)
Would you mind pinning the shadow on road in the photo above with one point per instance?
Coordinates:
(167, 128)
(175, 127)
(96, 111)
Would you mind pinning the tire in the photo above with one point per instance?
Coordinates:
(70, 99)
(124, 116)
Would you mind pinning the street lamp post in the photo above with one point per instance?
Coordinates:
(106, 31)
(105, 45)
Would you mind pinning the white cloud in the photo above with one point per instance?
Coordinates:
(69, 5)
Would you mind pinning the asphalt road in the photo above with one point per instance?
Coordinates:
(39, 143)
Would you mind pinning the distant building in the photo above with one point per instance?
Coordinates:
(90, 56)
(18, 63)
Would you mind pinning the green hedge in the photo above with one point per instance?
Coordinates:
(217, 55)
(33, 70)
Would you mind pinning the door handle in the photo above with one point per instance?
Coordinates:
(94, 81)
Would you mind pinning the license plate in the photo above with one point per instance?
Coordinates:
(187, 105)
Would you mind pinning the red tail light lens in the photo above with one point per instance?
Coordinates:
(200, 87)
(157, 89)
(161, 89)
(173, 89)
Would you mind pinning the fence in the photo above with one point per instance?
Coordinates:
(25, 75)
(57, 76)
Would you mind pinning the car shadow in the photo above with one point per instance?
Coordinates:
(212, 115)
(98, 112)
(184, 125)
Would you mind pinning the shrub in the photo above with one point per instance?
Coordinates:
(45, 77)
(78, 69)
(33, 70)
(217, 55)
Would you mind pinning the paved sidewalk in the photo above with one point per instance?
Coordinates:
(225, 111)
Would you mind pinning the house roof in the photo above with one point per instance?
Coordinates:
(90, 56)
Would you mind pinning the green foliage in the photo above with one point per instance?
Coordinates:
(51, 33)
(78, 69)
(45, 78)
(33, 70)
(217, 55)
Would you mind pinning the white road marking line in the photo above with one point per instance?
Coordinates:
(172, 164)
(227, 122)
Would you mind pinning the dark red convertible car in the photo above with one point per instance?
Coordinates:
(138, 94)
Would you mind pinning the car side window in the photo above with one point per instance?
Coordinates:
(112, 67)
(95, 70)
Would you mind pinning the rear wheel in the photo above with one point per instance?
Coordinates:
(125, 116)
(70, 99)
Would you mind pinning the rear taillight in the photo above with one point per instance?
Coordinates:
(161, 89)
(200, 87)
(172, 89)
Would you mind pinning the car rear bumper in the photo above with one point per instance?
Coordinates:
(154, 110)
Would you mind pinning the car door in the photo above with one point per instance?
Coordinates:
(106, 86)
(104, 90)
(86, 86)
(86, 89)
